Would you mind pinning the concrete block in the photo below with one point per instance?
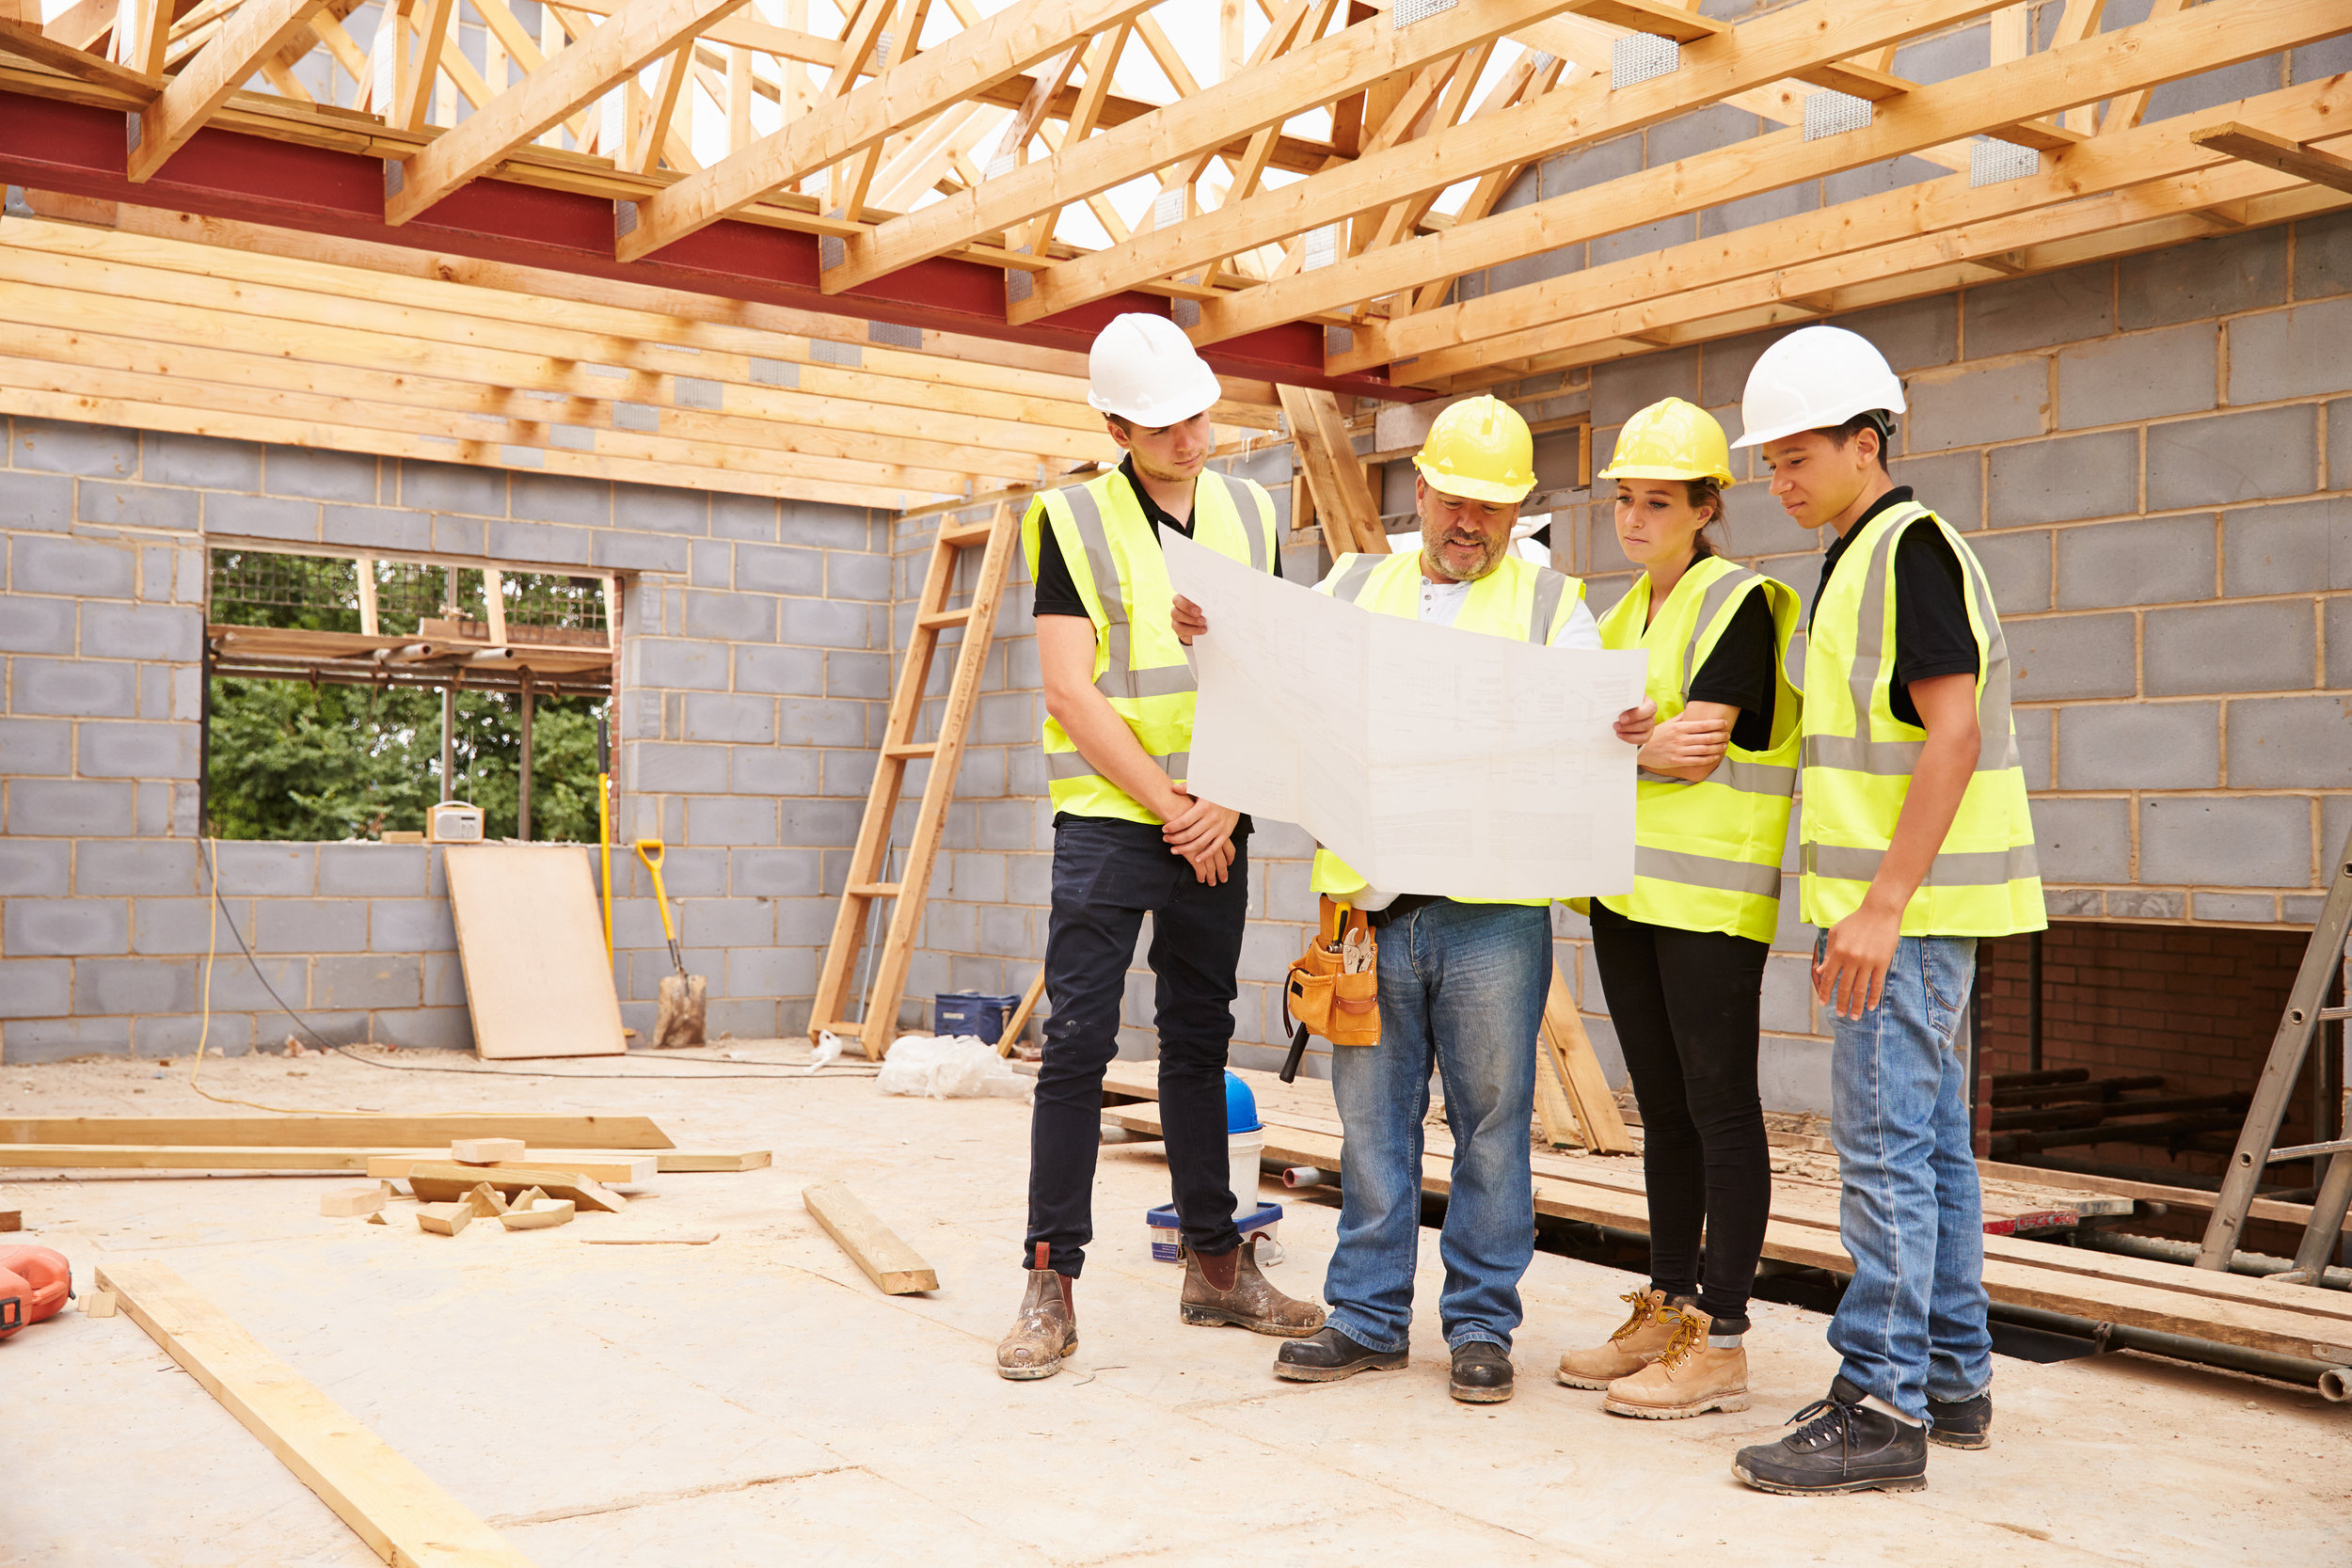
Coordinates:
(256, 869)
(2036, 312)
(821, 823)
(61, 1039)
(240, 987)
(2034, 727)
(1951, 484)
(149, 867)
(425, 1028)
(774, 569)
(844, 527)
(869, 676)
(114, 504)
(711, 717)
(31, 867)
(36, 745)
(1623, 388)
(2323, 246)
(2230, 648)
(2286, 353)
(203, 462)
(2140, 746)
(676, 665)
(63, 927)
(374, 870)
(2210, 278)
(2339, 617)
(81, 568)
(411, 926)
(731, 820)
(805, 722)
(751, 518)
(710, 563)
(669, 768)
(2083, 839)
(2018, 567)
(2061, 481)
(2291, 743)
(561, 499)
(2155, 561)
(1768, 207)
(310, 925)
(37, 500)
(157, 631)
(2071, 655)
(767, 770)
(32, 625)
(453, 487)
(2142, 904)
(756, 976)
(2294, 547)
(537, 543)
(1970, 406)
(828, 624)
(460, 536)
(1912, 333)
(260, 516)
(1003, 825)
(2142, 376)
(2074, 903)
(321, 474)
(850, 576)
(730, 617)
(70, 808)
(138, 750)
(788, 671)
(444, 980)
(1753, 525)
(640, 552)
(185, 925)
(103, 986)
(376, 528)
(1643, 240)
(60, 447)
(661, 509)
(2242, 909)
(2251, 841)
(35, 987)
(775, 873)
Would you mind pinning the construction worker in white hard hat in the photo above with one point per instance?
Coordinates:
(1461, 981)
(1130, 840)
(1915, 842)
(1681, 957)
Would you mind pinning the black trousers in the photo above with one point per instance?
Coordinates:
(1110, 873)
(1686, 1007)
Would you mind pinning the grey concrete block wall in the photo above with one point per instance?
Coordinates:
(750, 695)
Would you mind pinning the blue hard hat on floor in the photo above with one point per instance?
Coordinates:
(1241, 1106)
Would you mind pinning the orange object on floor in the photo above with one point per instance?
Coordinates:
(34, 1283)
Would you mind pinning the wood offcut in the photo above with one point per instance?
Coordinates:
(896, 1268)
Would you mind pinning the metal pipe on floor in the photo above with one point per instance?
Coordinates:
(2164, 1249)
(2334, 1383)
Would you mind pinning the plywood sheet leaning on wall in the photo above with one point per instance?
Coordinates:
(531, 944)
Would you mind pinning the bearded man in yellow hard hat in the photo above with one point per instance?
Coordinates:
(1462, 980)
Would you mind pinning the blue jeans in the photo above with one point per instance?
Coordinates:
(1461, 989)
(1911, 1324)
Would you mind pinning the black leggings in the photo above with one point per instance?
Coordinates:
(1685, 1004)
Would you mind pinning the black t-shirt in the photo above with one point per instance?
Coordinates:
(1932, 635)
(1739, 672)
(1057, 595)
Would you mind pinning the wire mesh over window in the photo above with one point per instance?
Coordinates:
(257, 587)
(550, 610)
(253, 588)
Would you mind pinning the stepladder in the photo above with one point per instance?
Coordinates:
(2300, 1023)
(951, 574)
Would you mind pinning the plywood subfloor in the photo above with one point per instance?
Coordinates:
(700, 1405)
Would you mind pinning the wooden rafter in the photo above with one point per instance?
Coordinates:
(258, 30)
(2286, 155)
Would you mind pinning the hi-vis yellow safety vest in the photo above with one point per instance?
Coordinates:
(1707, 855)
(1121, 577)
(1517, 599)
(1859, 757)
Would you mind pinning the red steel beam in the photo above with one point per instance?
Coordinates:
(52, 145)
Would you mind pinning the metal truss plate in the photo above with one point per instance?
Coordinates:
(892, 335)
(1990, 161)
(1167, 208)
(825, 352)
(1409, 11)
(1639, 57)
(1323, 247)
(1828, 113)
(1184, 312)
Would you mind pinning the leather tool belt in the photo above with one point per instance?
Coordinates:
(1334, 987)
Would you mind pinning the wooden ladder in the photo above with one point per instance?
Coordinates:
(869, 861)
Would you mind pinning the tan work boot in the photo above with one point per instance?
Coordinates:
(1689, 1378)
(1641, 1340)
(1230, 1290)
(1047, 1329)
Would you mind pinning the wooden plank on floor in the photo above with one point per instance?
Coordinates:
(355, 1131)
(531, 940)
(626, 1170)
(2296, 1214)
(403, 1515)
(896, 1268)
(447, 1183)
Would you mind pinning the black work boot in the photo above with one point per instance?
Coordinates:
(1481, 1372)
(1327, 1356)
(1960, 1423)
(1840, 1445)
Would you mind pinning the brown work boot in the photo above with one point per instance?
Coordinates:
(1228, 1289)
(1689, 1378)
(1638, 1341)
(1048, 1328)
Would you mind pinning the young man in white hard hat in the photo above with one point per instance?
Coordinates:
(1129, 840)
(1462, 981)
(1915, 842)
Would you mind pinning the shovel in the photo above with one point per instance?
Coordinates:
(679, 1022)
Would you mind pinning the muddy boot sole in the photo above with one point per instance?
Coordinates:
(1578, 1380)
(1960, 1440)
(1386, 1362)
(1028, 1374)
(1473, 1395)
(1884, 1483)
(1219, 1317)
(1725, 1403)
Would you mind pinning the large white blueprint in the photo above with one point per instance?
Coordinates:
(1432, 760)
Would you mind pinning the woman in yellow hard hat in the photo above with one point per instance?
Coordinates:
(1681, 956)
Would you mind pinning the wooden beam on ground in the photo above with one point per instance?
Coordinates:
(2218, 33)
(447, 1182)
(1587, 1086)
(256, 31)
(355, 1131)
(561, 87)
(394, 1507)
(978, 56)
(1345, 503)
(2255, 146)
(619, 1169)
(1349, 61)
(896, 1268)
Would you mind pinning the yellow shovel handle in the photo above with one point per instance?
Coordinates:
(650, 852)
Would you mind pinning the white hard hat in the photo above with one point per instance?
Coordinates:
(1145, 370)
(1815, 378)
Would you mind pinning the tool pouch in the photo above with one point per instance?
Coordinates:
(1325, 994)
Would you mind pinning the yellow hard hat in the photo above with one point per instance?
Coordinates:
(1480, 449)
(1671, 440)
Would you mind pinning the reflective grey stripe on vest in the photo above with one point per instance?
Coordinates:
(1975, 868)
(1549, 585)
(1718, 593)
(1071, 765)
(1351, 584)
(1675, 866)
(1752, 777)
(1119, 678)
(1251, 524)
